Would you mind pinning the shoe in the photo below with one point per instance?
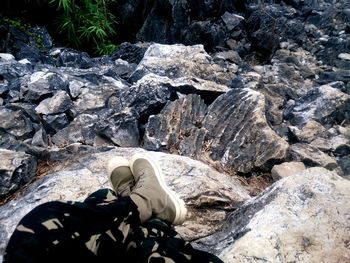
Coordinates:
(120, 176)
(151, 194)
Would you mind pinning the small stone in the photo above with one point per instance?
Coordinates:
(344, 56)
(59, 103)
(6, 57)
(286, 169)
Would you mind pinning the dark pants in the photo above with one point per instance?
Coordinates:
(103, 228)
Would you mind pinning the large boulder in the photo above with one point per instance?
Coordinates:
(232, 130)
(77, 170)
(301, 218)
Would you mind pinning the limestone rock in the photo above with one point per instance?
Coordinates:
(78, 170)
(323, 104)
(301, 218)
(238, 134)
(309, 132)
(286, 169)
(177, 129)
(176, 61)
(344, 56)
(59, 103)
(311, 156)
(17, 168)
(232, 130)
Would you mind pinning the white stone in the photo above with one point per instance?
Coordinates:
(286, 169)
(344, 56)
(6, 57)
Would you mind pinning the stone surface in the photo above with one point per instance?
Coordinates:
(301, 218)
(208, 194)
(286, 169)
(323, 104)
(17, 169)
(176, 61)
(59, 103)
(311, 156)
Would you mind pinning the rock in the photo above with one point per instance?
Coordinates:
(6, 57)
(344, 56)
(121, 128)
(73, 58)
(54, 123)
(17, 169)
(238, 134)
(177, 129)
(323, 104)
(309, 132)
(59, 103)
(344, 163)
(15, 122)
(209, 195)
(132, 53)
(311, 156)
(283, 223)
(42, 85)
(286, 169)
(176, 61)
(231, 20)
(40, 138)
(79, 130)
(232, 130)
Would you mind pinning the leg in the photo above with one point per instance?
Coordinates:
(93, 230)
(156, 241)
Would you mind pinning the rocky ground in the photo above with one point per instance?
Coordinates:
(268, 104)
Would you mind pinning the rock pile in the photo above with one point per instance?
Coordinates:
(63, 114)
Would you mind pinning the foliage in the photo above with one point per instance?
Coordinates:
(87, 21)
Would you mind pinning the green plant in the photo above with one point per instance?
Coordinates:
(87, 21)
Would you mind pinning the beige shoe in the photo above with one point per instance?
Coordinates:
(151, 194)
(120, 176)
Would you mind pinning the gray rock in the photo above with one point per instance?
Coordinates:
(6, 57)
(59, 103)
(344, 56)
(43, 84)
(176, 61)
(231, 20)
(232, 130)
(323, 104)
(121, 128)
(79, 130)
(286, 169)
(311, 156)
(17, 169)
(54, 123)
(15, 122)
(301, 218)
(209, 195)
(308, 132)
(40, 138)
(177, 129)
(238, 134)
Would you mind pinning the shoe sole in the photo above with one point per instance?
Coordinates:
(115, 163)
(180, 207)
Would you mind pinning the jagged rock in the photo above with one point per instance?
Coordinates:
(40, 138)
(5, 57)
(344, 56)
(231, 20)
(324, 104)
(286, 169)
(301, 218)
(311, 156)
(133, 53)
(309, 132)
(15, 122)
(54, 123)
(17, 168)
(177, 129)
(208, 194)
(238, 134)
(79, 130)
(176, 61)
(121, 128)
(58, 103)
(42, 85)
(72, 58)
(234, 131)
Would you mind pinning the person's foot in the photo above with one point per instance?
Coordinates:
(120, 176)
(151, 194)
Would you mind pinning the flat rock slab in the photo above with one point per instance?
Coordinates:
(79, 171)
(301, 218)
